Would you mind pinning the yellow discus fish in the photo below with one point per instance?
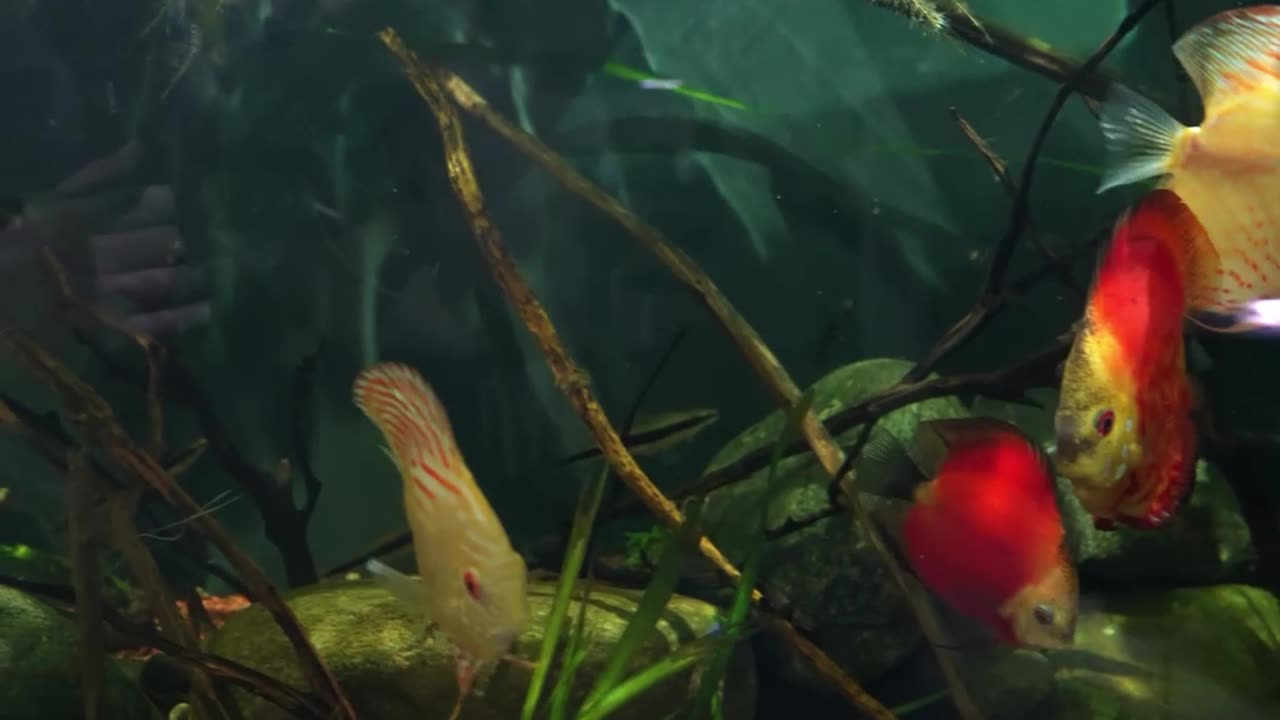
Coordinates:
(473, 584)
(1226, 170)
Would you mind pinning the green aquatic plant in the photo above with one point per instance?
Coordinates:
(642, 547)
(629, 73)
(611, 690)
(584, 518)
(707, 701)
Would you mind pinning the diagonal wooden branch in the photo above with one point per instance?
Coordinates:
(94, 417)
(1019, 50)
(430, 84)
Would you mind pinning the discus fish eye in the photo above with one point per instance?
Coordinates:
(472, 584)
(1105, 421)
(1043, 614)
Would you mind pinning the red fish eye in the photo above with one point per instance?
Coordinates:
(1106, 420)
(472, 585)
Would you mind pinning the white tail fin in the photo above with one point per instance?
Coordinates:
(1140, 138)
(407, 590)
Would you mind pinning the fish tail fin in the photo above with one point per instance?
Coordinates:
(406, 589)
(1140, 138)
(1232, 52)
(411, 417)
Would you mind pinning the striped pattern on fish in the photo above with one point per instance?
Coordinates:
(473, 584)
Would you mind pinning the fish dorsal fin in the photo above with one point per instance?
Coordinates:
(1232, 52)
(886, 468)
(1164, 214)
(937, 438)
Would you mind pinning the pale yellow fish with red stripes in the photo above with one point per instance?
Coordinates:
(1226, 170)
(473, 584)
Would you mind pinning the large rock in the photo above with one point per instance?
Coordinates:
(1192, 653)
(827, 574)
(1207, 542)
(40, 671)
(392, 668)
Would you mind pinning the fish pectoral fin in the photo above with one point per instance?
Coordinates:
(885, 468)
(1232, 52)
(1140, 137)
(407, 589)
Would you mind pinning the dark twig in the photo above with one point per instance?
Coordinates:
(303, 390)
(1014, 48)
(284, 524)
(153, 351)
(86, 578)
(1001, 170)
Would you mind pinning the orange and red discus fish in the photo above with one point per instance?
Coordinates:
(472, 583)
(1205, 243)
(1125, 435)
(984, 531)
(1226, 170)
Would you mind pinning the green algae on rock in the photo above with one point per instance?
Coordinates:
(827, 574)
(40, 672)
(1180, 654)
(391, 667)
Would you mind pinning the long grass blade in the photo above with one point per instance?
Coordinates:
(651, 606)
(574, 655)
(628, 690)
(584, 518)
(707, 700)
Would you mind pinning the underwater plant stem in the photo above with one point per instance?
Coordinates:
(1019, 50)
(1001, 170)
(154, 352)
(96, 420)
(86, 578)
(1020, 215)
(431, 84)
(283, 523)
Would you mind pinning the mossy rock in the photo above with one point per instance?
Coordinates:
(40, 670)
(827, 574)
(391, 667)
(1209, 652)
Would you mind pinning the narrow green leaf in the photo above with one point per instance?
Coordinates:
(706, 701)
(584, 519)
(636, 685)
(651, 606)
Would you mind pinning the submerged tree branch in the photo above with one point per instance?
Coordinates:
(431, 84)
(283, 522)
(1017, 49)
(95, 418)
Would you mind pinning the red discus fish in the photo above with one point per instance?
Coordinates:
(984, 531)
(472, 583)
(1125, 435)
